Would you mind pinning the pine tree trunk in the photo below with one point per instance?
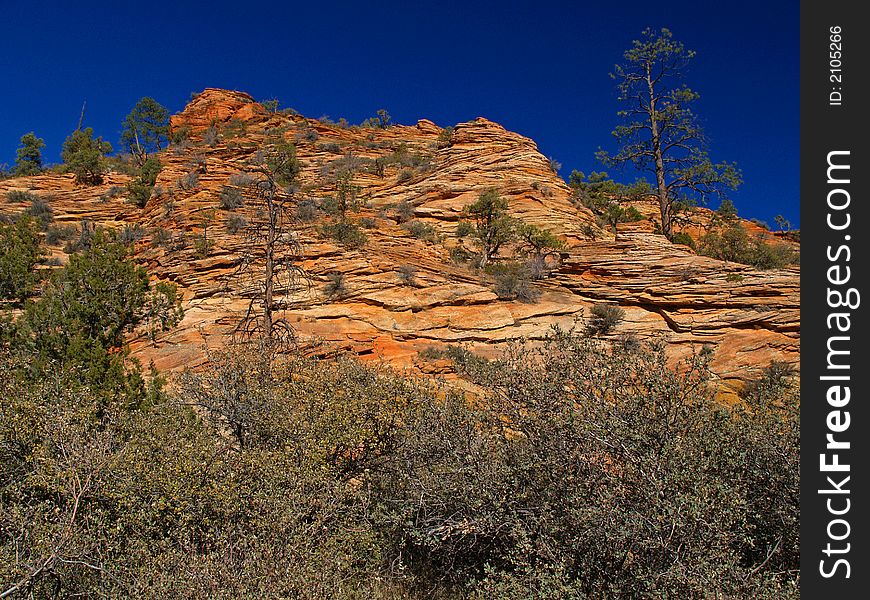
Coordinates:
(664, 201)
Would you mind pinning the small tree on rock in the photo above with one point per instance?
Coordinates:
(489, 225)
(660, 133)
(146, 129)
(83, 155)
(28, 160)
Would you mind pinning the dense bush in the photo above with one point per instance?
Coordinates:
(604, 318)
(19, 254)
(231, 197)
(20, 196)
(83, 155)
(345, 233)
(41, 211)
(60, 233)
(581, 471)
(734, 244)
(513, 281)
(422, 231)
(28, 157)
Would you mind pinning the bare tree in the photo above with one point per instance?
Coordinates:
(272, 249)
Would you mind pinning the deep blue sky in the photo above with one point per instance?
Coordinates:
(539, 68)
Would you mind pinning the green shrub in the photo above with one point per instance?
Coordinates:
(160, 237)
(139, 190)
(735, 245)
(19, 254)
(404, 211)
(681, 237)
(407, 275)
(336, 285)
(60, 233)
(40, 210)
(28, 158)
(345, 233)
(130, 234)
(188, 182)
(202, 245)
(19, 196)
(83, 155)
(306, 210)
(445, 138)
(513, 281)
(231, 197)
(422, 231)
(583, 470)
(236, 223)
(604, 318)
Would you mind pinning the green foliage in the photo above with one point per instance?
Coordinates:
(336, 285)
(28, 159)
(681, 237)
(145, 129)
(615, 213)
(734, 244)
(604, 318)
(236, 223)
(40, 210)
(513, 281)
(270, 105)
(139, 190)
(422, 231)
(345, 233)
(78, 324)
(231, 197)
(19, 254)
(306, 210)
(584, 471)
(281, 162)
(660, 133)
(488, 223)
(83, 155)
(445, 138)
(381, 120)
(20, 196)
(404, 211)
(727, 211)
(407, 275)
(60, 233)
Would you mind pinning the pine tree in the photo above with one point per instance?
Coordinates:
(660, 133)
(29, 156)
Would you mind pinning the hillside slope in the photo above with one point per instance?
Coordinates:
(665, 289)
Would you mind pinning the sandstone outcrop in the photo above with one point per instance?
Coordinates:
(748, 317)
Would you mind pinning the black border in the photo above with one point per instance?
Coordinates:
(826, 128)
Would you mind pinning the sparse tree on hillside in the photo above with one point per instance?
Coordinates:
(19, 254)
(660, 133)
(488, 223)
(146, 129)
(28, 160)
(616, 213)
(83, 155)
(270, 240)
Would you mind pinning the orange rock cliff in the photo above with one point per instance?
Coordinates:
(749, 317)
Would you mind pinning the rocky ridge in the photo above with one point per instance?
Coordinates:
(748, 317)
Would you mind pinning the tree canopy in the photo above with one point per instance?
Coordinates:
(28, 160)
(145, 129)
(660, 133)
(83, 155)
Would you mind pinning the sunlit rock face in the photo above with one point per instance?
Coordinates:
(402, 294)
